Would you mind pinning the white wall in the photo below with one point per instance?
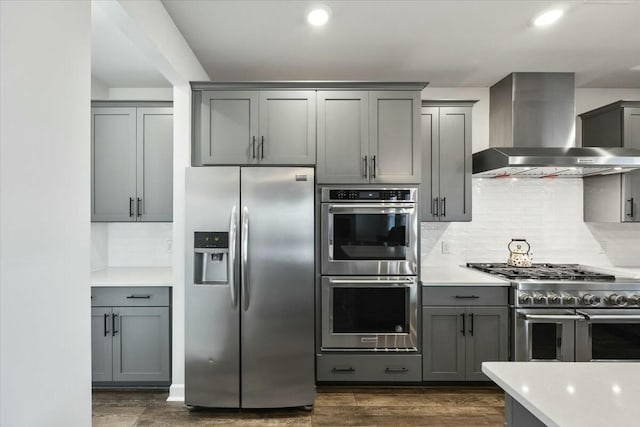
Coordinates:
(45, 368)
(99, 89)
(141, 94)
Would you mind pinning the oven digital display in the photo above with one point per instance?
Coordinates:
(365, 195)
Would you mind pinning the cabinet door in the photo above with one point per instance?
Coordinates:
(455, 164)
(141, 344)
(443, 344)
(486, 339)
(394, 137)
(430, 134)
(228, 127)
(101, 368)
(631, 180)
(287, 128)
(343, 137)
(154, 200)
(113, 137)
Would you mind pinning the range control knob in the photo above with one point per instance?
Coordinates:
(569, 299)
(615, 299)
(554, 299)
(589, 299)
(539, 298)
(634, 299)
(525, 299)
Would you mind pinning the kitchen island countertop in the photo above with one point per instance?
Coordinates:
(458, 276)
(132, 276)
(572, 394)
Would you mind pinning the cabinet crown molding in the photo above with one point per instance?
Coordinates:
(309, 85)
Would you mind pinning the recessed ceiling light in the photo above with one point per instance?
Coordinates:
(617, 168)
(318, 16)
(548, 17)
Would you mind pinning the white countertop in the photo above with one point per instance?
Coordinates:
(133, 276)
(458, 276)
(573, 394)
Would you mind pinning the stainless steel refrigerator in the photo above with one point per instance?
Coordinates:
(249, 287)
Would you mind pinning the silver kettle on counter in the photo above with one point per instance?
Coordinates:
(519, 255)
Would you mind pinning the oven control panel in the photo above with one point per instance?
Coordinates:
(377, 195)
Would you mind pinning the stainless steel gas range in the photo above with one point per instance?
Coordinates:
(565, 312)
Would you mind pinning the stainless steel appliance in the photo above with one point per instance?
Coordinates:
(369, 253)
(566, 312)
(369, 231)
(249, 287)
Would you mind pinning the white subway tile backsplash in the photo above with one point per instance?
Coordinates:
(546, 212)
(99, 246)
(139, 244)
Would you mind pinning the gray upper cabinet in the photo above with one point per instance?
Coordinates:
(445, 192)
(132, 162)
(234, 127)
(343, 137)
(612, 198)
(368, 137)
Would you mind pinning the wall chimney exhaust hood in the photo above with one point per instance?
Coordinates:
(532, 133)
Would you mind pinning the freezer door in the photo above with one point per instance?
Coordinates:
(278, 291)
(212, 343)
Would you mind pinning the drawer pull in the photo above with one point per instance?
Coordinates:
(467, 297)
(139, 297)
(342, 370)
(395, 370)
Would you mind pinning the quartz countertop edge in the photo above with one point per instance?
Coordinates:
(584, 394)
(458, 276)
(132, 276)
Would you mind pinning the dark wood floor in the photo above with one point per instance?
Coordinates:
(464, 407)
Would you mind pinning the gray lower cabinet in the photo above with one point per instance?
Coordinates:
(445, 192)
(130, 340)
(368, 137)
(132, 161)
(238, 127)
(612, 198)
(369, 367)
(461, 328)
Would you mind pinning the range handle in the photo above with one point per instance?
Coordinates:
(244, 257)
(231, 259)
(624, 317)
(551, 316)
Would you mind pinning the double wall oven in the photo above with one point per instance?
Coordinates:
(369, 266)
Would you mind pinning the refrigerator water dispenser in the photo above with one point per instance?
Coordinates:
(211, 257)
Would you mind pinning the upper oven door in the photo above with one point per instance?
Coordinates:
(608, 335)
(369, 238)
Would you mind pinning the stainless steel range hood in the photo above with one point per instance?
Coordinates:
(532, 133)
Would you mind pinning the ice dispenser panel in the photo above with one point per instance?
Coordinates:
(211, 257)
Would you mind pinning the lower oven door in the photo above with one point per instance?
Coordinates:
(544, 335)
(370, 313)
(608, 335)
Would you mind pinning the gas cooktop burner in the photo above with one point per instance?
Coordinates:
(563, 272)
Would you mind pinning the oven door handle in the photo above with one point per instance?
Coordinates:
(551, 316)
(371, 282)
(634, 317)
(397, 206)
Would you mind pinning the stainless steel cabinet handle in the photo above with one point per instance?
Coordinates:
(395, 370)
(253, 147)
(434, 208)
(114, 331)
(130, 206)
(463, 330)
(366, 169)
(467, 297)
(244, 255)
(262, 147)
(373, 166)
(106, 323)
(139, 297)
(233, 224)
(631, 213)
(139, 207)
(444, 206)
(343, 370)
(471, 328)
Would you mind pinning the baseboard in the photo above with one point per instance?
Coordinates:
(176, 393)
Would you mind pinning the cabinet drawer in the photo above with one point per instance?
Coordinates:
(465, 295)
(369, 367)
(137, 296)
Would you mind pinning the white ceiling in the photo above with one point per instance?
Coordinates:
(116, 61)
(448, 43)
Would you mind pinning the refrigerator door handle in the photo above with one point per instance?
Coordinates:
(233, 226)
(244, 254)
